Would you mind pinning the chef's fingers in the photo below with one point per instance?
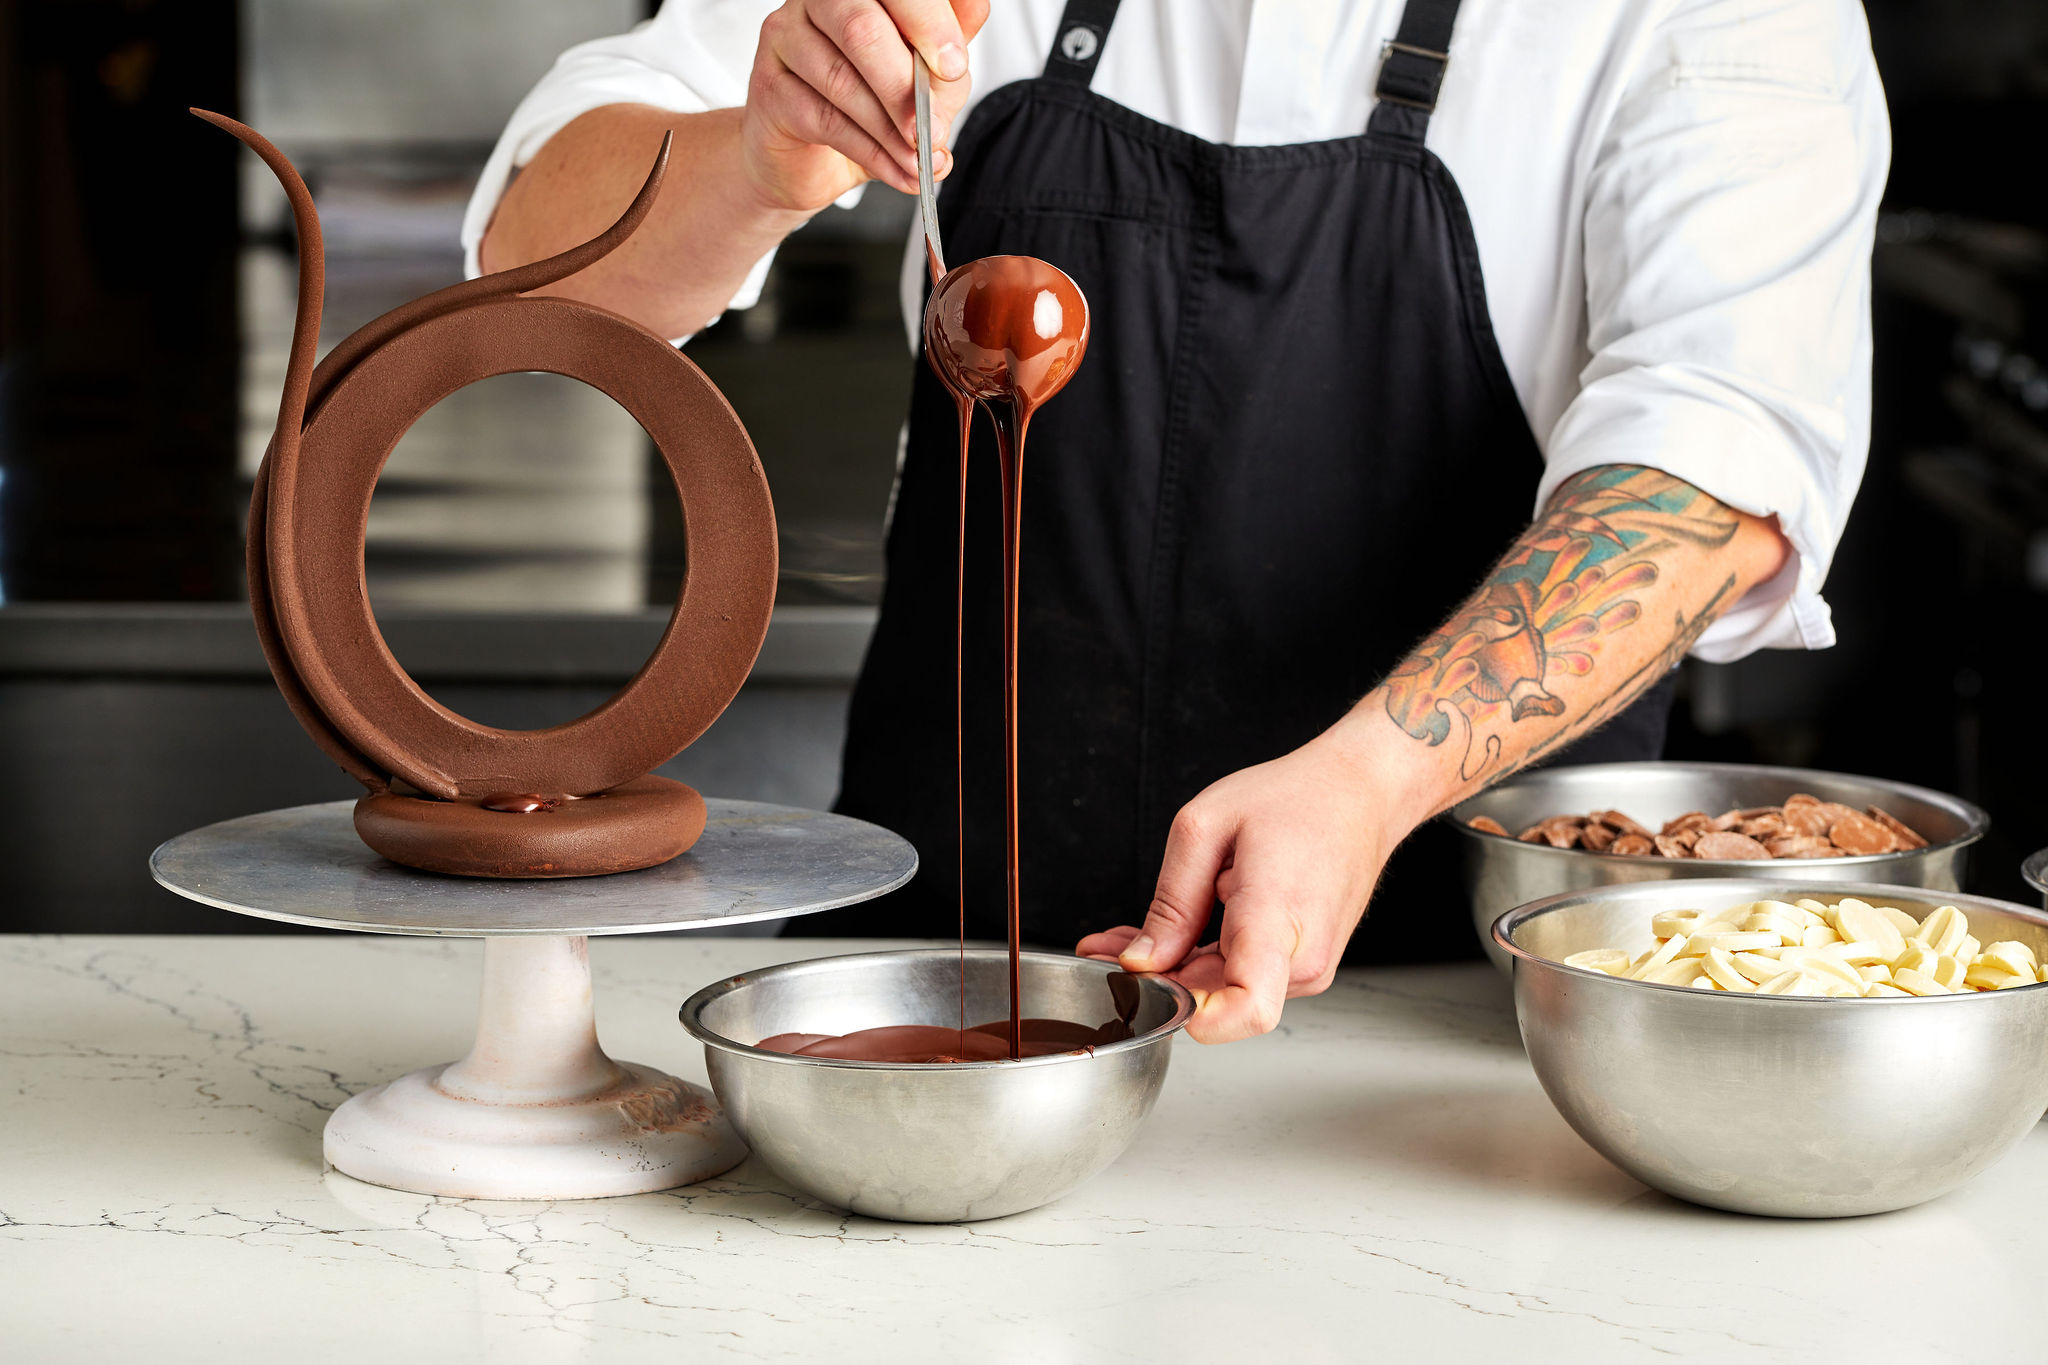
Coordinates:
(790, 104)
(936, 30)
(866, 33)
(1197, 846)
(807, 51)
(1258, 942)
(1109, 943)
(1108, 946)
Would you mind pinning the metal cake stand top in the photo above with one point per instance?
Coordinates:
(755, 861)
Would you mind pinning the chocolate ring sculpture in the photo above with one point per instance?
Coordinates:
(445, 793)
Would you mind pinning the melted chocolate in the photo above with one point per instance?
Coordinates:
(519, 803)
(1007, 332)
(930, 1043)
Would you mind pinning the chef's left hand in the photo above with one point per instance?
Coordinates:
(1292, 849)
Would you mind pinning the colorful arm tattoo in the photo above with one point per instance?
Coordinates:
(1573, 578)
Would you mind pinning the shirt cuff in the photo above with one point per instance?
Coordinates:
(1692, 427)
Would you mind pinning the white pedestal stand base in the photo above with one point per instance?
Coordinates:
(536, 1110)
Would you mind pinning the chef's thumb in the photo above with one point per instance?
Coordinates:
(1196, 847)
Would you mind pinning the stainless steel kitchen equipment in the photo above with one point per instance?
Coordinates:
(2035, 870)
(536, 1110)
(1801, 1107)
(927, 191)
(932, 1143)
(1502, 872)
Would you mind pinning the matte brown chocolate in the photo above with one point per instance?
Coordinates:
(1804, 827)
(337, 423)
(635, 824)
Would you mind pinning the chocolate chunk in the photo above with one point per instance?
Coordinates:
(1632, 846)
(1486, 824)
(1801, 846)
(1806, 818)
(1615, 820)
(1861, 835)
(1727, 844)
(1907, 836)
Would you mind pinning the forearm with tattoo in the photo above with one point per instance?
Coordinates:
(1595, 602)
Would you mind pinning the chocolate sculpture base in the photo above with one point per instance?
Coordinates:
(636, 824)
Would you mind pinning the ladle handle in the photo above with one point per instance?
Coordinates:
(927, 192)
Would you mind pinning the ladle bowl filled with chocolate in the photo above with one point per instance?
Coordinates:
(1006, 329)
(1605, 824)
(950, 1128)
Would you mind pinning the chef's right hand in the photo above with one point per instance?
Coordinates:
(830, 102)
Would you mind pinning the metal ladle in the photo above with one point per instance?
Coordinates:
(999, 327)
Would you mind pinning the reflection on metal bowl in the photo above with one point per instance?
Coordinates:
(932, 1143)
(1502, 872)
(2035, 870)
(1795, 1106)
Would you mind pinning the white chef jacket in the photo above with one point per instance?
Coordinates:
(1673, 200)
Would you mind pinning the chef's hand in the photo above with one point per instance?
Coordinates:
(830, 102)
(1292, 849)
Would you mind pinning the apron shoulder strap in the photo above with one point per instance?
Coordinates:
(1412, 69)
(1077, 44)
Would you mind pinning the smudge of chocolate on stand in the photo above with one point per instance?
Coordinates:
(1007, 332)
(520, 803)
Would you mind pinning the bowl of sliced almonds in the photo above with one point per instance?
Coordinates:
(1555, 830)
(1787, 1048)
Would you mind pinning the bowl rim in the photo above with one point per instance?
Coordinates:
(2035, 870)
(691, 1014)
(1976, 821)
(1758, 888)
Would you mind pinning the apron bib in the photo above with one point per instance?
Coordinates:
(1291, 451)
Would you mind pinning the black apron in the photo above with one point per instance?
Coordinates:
(1291, 451)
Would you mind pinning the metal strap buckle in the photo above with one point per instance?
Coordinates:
(1442, 59)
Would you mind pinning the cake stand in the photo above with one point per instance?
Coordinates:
(536, 1110)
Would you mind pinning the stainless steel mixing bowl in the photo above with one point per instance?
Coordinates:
(1502, 872)
(1802, 1107)
(932, 1144)
(2035, 870)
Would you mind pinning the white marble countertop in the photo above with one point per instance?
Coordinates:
(1380, 1179)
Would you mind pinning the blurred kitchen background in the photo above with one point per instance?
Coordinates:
(524, 543)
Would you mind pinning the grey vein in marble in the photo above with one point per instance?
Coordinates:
(1387, 1180)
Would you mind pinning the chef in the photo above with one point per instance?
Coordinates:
(1456, 370)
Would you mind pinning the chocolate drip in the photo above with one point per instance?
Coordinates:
(1007, 332)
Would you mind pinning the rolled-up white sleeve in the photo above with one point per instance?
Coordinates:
(1728, 222)
(693, 56)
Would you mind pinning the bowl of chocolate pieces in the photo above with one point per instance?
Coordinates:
(1566, 829)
